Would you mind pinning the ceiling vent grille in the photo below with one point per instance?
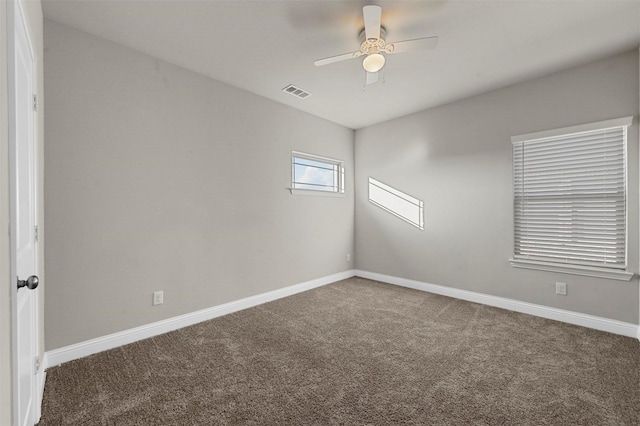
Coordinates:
(296, 91)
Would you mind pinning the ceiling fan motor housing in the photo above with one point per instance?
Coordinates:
(362, 35)
(372, 45)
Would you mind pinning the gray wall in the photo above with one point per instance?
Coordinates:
(457, 159)
(158, 178)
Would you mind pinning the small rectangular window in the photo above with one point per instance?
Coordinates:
(570, 199)
(313, 173)
(402, 205)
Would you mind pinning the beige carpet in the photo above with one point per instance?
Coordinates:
(357, 352)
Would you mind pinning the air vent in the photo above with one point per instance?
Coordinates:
(296, 91)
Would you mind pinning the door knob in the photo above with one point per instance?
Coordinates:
(31, 282)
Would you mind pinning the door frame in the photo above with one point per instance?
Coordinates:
(15, 11)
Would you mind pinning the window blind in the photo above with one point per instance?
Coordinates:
(570, 198)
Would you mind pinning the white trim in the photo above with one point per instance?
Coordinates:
(588, 271)
(314, 157)
(315, 193)
(576, 318)
(607, 124)
(114, 340)
(41, 379)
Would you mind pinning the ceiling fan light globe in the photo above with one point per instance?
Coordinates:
(373, 62)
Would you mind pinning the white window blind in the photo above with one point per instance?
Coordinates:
(570, 198)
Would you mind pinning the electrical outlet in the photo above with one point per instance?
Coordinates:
(561, 289)
(158, 298)
(348, 257)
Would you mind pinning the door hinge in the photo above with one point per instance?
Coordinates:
(36, 233)
(36, 364)
(35, 102)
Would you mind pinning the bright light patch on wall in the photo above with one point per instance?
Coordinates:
(396, 202)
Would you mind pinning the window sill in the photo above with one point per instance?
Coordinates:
(588, 271)
(311, 192)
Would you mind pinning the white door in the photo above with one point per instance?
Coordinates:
(23, 220)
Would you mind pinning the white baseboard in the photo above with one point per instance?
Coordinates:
(99, 344)
(89, 347)
(576, 318)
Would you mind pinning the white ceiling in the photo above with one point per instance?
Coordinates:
(262, 46)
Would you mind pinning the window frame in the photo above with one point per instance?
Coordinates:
(619, 272)
(340, 185)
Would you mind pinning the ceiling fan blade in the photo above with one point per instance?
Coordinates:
(372, 77)
(425, 43)
(372, 15)
(332, 59)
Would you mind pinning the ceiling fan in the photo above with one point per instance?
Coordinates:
(374, 46)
